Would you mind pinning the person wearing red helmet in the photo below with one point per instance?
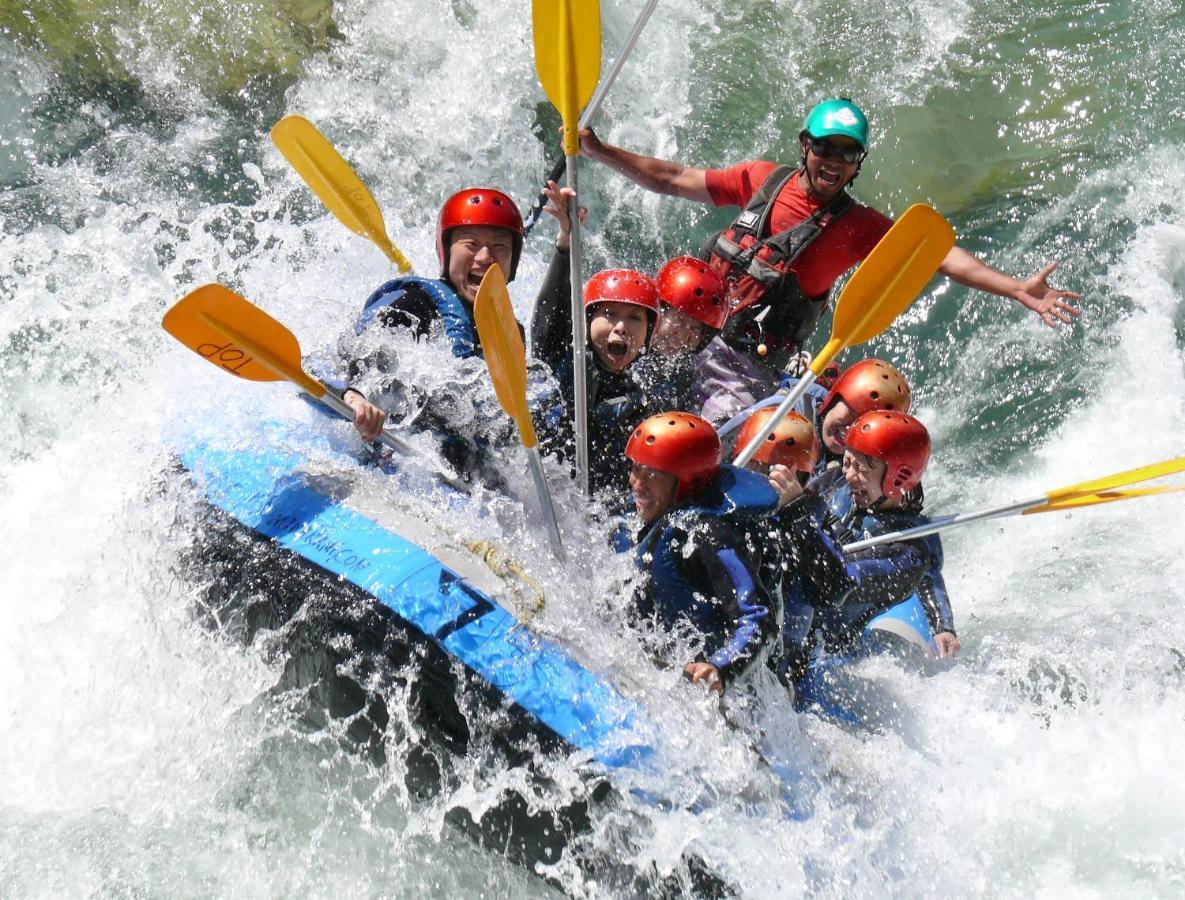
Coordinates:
(476, 228)
(787, 456)
(706, 574)
(831, 595)
(621, 309)
(863, 387)
(799, 231)
(694, 307)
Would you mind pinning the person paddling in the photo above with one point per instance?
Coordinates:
(705, 570)
(476, 228)
(831, 595)
(800, 231)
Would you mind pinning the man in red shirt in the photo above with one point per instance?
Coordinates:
(784, 253)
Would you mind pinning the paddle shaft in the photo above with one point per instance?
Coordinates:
(579, 340)
(818, 363)
(544, 493)
(594, 107)
(945, 522)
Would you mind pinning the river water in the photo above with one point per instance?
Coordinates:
(143, 756)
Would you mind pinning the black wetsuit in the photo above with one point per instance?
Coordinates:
(831, 595)
(617, 401)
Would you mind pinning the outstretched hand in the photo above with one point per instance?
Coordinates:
(1046, 301)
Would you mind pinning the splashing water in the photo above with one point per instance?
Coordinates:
(144, 751)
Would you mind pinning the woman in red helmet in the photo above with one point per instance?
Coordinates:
(693, 308)
(706, 573)
(831, 594)
(865, 386)
(621, 308)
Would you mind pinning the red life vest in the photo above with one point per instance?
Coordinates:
(766, 303)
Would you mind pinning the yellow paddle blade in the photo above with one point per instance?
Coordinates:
(1076, 501)
(568, 58)
(332, 179)
(888, 280)
(238, 337)
(503, 348)
(1119, 479)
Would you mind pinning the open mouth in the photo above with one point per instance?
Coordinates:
(828, 176)
(474, 279)
(617, 350)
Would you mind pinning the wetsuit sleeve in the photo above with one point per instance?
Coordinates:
(932, 591)
(736, 185)
(551, 320)
(734, 580)
(876, 578)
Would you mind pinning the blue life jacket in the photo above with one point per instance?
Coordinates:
(454, 314)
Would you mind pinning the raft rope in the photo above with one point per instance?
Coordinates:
(507, 568)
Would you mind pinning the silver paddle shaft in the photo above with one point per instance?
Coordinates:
(390, 439)
(945, 522)
(553, 528)
(579, 338)
(780, 413)
(594, 105)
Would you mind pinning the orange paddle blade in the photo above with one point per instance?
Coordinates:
(238, 337)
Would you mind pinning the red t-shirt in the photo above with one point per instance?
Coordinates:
(842, 244)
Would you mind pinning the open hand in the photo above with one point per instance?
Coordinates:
(1046, 301)
(558, 201)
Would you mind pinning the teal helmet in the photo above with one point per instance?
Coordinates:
(838, 115)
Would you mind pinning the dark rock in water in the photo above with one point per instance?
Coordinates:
(382, 689)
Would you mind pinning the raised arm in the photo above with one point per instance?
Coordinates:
(1034, 293)
(656, 175)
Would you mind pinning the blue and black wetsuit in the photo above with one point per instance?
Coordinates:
(831, 595)
(617, 401)
(705, 570)
(427, 308)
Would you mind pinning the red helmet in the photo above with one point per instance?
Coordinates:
(869, 385)
(693, 287)
(621, 286)
(792, 443)
(900, 440)
(479, 206)
(680, 444)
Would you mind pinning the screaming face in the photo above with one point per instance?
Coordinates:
(472, 250)
(617, 332)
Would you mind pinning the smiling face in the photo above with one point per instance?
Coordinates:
(617, 332)
(864, 475)
(835, 426)
(676, 333)
(654, 491)
(472, 250)
(826, 177)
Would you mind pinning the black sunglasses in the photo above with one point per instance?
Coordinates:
(827, 150)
